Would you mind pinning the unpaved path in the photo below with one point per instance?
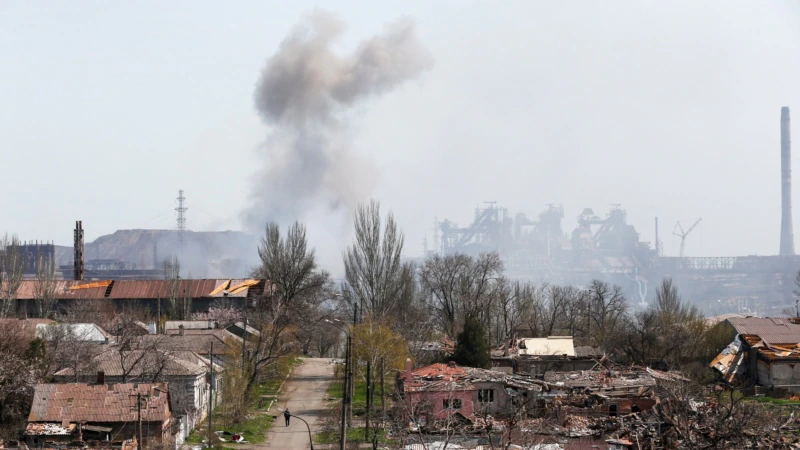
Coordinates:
(304, 394)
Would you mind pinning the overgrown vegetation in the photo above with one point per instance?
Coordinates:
(256, 421)
(355, 435)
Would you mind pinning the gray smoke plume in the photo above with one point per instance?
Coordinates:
(306, 93)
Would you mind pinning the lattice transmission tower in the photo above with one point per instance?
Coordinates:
(181, 209)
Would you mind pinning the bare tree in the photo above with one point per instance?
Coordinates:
(68, 348)
(289, 265)
(373, 270)
(96, 311)
(44, 288)
(559, 298)
(669, 335)
(607, 307)
(11, 273)
(140, 358)
(179, 303)
(459, 285)
(263, 346)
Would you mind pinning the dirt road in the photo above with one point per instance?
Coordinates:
(304, 394)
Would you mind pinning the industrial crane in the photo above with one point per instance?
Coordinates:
(683, 234)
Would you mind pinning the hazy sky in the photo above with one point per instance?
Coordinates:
(670, 108)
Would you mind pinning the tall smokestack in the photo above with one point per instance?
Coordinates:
(787, 232)
(78, 247)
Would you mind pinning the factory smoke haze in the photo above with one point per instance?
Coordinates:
(307, 94)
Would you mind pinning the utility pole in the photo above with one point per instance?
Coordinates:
(139, 420)
(383, 402)
(210, 383)
(369, 391)
(244, 340)
(350, 380)
(352, 389)
(345, 392)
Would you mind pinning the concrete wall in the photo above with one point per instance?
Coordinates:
(431, 403)
(538, 367)
(502, 401)
(780, 374)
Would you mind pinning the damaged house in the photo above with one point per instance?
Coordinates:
(537, 356)
(62, 414)
(763, 352)
(186, 373)
(445, 391)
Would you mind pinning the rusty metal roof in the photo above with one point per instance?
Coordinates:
(98, 403)
(27, 290)
(771, 330)
(143, 289)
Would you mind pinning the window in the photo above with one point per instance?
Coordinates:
(486, 395)
(451, 403)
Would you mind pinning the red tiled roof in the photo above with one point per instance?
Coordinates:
(440, 370)
(98, 403)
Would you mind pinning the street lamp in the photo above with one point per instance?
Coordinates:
(348, 378)
(311, 441)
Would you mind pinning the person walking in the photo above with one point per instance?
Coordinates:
(287, 415)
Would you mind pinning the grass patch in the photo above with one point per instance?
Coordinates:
(775, 401)
(255, 426)
(279, 373)
(354, 435)
(359, 394)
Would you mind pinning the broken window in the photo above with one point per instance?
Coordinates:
(451, 403)
(486, 395)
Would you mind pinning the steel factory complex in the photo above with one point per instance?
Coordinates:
(599, 245)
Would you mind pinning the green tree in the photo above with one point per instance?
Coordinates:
(472, 347)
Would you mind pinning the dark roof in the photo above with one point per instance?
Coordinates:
(142, 364)
(772, 330)
(197, 342)
(98, 403)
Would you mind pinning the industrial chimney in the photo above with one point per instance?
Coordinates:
(78, 248)
(787, 232)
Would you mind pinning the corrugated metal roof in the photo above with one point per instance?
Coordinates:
(141, 289)
(771, 330)
(144, 289)
(27, 290)
(98, 403)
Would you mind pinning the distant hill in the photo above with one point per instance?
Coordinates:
(206, 254)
